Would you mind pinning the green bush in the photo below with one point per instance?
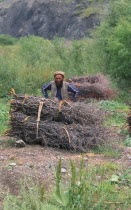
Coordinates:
(77, 56)
(8, 75)
(114, 40)
(28, 65)
(31, 62)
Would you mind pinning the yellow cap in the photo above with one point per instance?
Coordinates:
(59, 72)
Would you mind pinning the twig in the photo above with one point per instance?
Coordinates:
(38, 118)
(110, 202)
(26, 118)
(67, 134)
(60, 104)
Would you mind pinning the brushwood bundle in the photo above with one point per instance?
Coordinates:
(76, 126)
(96, 86)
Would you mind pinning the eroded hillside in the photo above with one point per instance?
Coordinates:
(71, 19)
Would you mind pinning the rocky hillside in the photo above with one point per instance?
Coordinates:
(71, 19)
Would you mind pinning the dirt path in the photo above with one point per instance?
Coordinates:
(38, 162)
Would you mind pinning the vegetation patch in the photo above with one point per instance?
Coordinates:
(4, 116)
(96, 188)
(6, 39)
(89, 11)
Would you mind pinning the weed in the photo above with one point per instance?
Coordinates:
(31, 165)
(30, 198)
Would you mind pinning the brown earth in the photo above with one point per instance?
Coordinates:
(39, 163)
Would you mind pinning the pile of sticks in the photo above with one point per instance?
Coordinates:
(76, 126)
(96, 86)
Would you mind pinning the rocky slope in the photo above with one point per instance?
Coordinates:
(47, 18)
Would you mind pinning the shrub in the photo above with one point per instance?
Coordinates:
(6, 39)
(113, 39)
(32, 61)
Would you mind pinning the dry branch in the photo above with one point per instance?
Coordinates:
(76, 126)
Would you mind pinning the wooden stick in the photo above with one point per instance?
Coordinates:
(38, 118)
(67, 134)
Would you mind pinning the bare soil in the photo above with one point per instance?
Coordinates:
(39, 163)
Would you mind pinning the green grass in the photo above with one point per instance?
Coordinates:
(114, 106)
(127, 141)
(112, 150)
(116, 114)
(8, 142)
(4, 115)
(98, 188)
(6, 39)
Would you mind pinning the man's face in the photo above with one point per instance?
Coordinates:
(59, 79)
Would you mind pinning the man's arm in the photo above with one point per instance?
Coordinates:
(74, 90)
(45, 88)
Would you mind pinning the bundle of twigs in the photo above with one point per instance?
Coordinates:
(76, 126)
(96, 86)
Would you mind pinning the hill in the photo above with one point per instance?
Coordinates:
(71, 19)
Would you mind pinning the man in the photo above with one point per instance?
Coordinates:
(59, 88)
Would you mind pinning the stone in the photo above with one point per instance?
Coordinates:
(12, 164)
(63, 170)
(48, 165)
(20, 143)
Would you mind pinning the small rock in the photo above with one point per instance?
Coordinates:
(1, 157)
(114, 179)
(12, 164)
(20, 143)
(78, 183)
(98, 177)
(48, 165)
(63, 170)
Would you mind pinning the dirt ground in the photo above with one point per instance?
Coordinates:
(39, 163)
